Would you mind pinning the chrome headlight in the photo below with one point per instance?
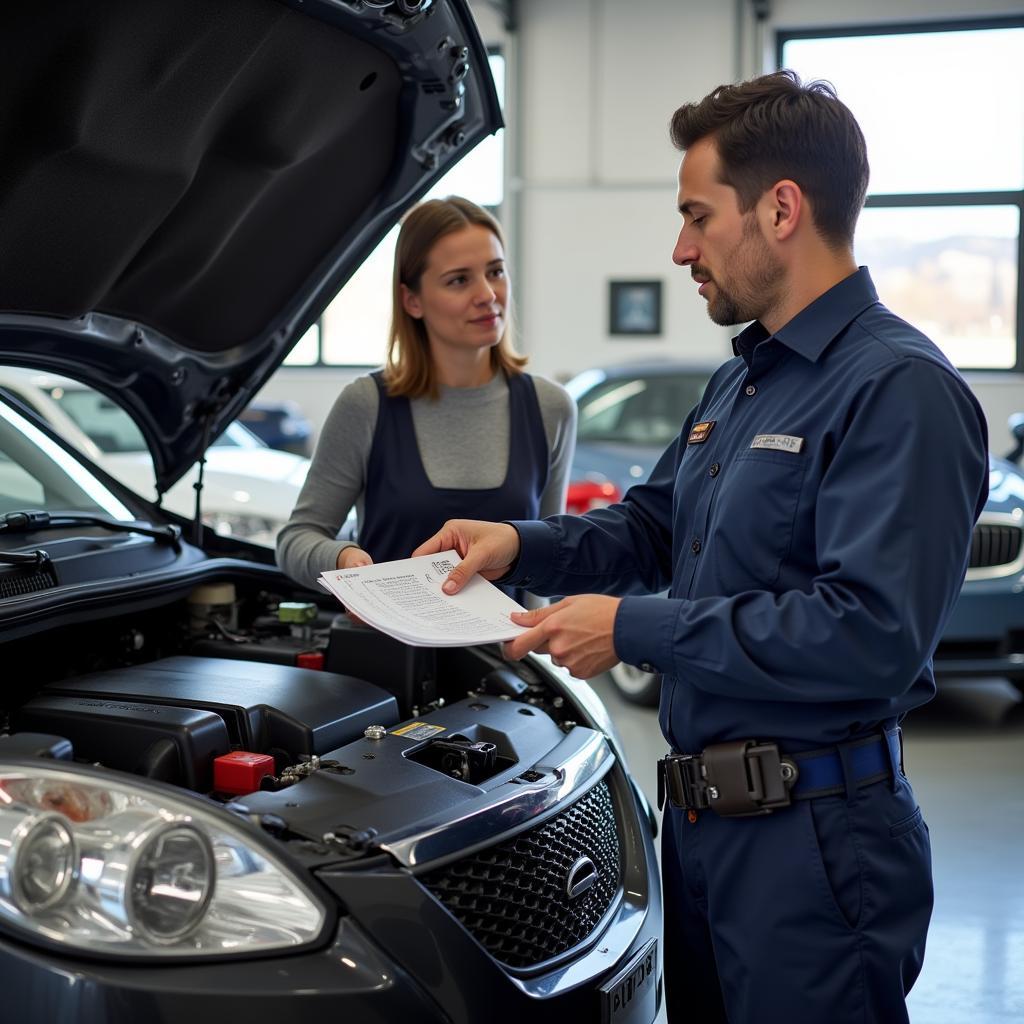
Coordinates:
(38, 859)
(101, 865)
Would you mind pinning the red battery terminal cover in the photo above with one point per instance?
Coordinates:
(240, 771)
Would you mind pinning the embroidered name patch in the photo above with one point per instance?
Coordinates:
(700, 432)
(778, 442)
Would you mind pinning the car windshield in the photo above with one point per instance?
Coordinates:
(639, 410)
(114, 432)
(36, 473)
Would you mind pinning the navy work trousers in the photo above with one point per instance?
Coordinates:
(816, 914)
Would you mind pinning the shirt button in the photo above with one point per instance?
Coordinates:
(713, 471)
(646, 666)
(695, 547)
(751, 390)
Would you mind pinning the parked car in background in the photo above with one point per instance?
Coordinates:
(280, 425)
(220, 799)
(249, 490)
(628, 415)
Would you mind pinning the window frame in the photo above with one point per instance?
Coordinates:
(929, 199)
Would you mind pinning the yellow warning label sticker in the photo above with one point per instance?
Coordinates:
(418, 730)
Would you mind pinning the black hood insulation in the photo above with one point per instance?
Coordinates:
(256, 137)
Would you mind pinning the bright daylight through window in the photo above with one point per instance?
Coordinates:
(942, 230)
(353, 329)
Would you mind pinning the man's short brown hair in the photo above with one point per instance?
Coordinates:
(776, 127)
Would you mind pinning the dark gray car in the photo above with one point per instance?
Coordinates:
(219, 799)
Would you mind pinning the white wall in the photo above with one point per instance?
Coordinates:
(596, 176)
(591, 172)
(1001, 395)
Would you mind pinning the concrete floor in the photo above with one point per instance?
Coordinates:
(964, 754)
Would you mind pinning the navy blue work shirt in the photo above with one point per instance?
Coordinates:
(812, 522)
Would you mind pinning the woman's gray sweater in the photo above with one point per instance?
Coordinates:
(463, 440)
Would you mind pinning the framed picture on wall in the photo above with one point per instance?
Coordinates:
(634, 307)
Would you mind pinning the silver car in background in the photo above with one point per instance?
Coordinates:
(249, 490)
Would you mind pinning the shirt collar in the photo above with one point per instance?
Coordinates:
(811, 331)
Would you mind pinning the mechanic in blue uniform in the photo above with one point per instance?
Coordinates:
(812, 522)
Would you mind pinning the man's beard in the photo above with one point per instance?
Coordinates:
(754, 288)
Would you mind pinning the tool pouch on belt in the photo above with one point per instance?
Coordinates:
(734, 779)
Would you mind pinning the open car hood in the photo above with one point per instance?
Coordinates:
(186, 184)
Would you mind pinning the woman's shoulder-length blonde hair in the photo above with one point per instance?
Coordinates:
(408, 369)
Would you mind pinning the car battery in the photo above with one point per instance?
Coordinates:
(410, 673)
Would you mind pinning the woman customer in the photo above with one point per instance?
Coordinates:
(451, 427)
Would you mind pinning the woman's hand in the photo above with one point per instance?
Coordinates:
(352, 557)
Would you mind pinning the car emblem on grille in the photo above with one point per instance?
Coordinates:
(581, 877)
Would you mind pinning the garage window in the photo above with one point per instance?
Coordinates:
(942, 109)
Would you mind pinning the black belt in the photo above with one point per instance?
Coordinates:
(745, 777)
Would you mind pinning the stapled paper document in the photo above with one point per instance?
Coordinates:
(404, 599)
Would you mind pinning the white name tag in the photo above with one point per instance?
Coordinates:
(778, 442)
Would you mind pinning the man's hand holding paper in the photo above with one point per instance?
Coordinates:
(489, 549)
(576, 632)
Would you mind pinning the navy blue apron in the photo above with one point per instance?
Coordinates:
(401, 508)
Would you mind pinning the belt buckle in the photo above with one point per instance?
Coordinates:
(681, 779)
(746, 778)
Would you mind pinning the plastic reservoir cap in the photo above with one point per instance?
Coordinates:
(298, 612)
(241, 771)
(213, 593)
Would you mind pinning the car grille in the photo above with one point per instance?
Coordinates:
(512, 896)
(994, 544)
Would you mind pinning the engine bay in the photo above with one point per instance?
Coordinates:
(294, 711)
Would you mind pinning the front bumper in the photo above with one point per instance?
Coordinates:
(350, 977)
(985, 632)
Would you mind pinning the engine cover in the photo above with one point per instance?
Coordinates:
(209, 705)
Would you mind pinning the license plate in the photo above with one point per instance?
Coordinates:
(631, 997)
